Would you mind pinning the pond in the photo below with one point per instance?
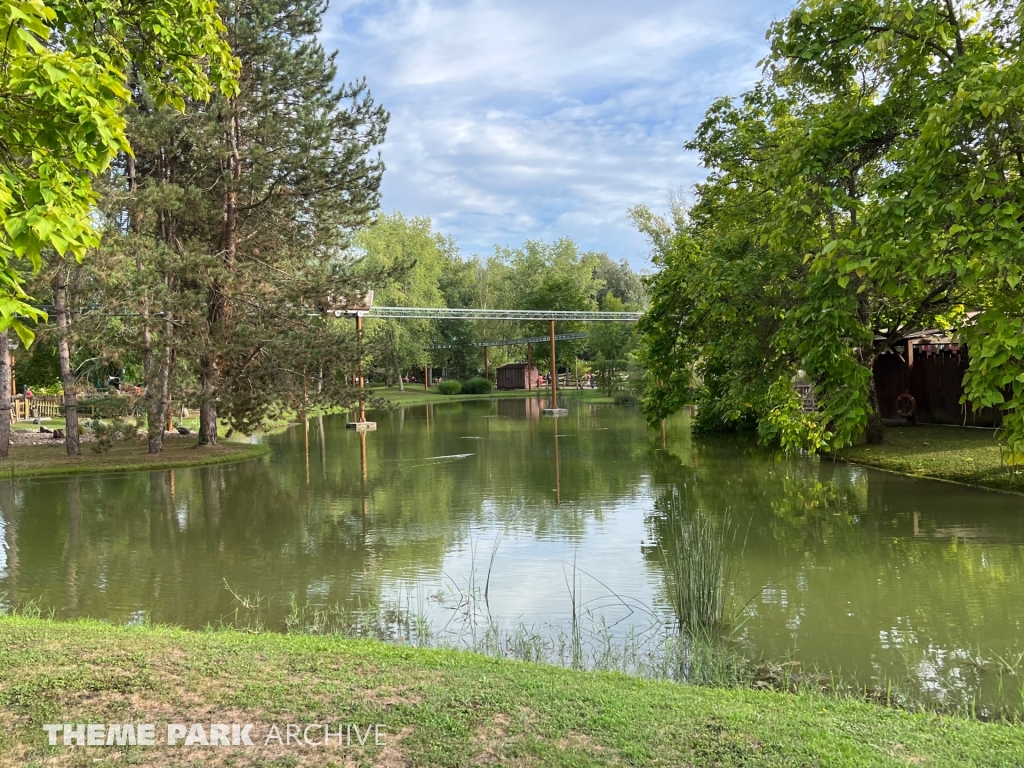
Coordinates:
(476, 515)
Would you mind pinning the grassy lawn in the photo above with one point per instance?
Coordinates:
(414, 395)
(969, 456)
(38, 460)
(437, 708)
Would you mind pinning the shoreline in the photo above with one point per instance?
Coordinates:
(436, 707)
(28, 461)
(966, 457)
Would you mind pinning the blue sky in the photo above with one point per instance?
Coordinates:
(525, 120)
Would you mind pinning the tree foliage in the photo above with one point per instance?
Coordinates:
(870, 186)
(64, 71)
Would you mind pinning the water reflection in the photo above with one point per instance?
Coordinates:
(836, 566)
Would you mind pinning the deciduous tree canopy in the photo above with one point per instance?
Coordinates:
(871, 185)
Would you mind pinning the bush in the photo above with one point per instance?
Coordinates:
(476, 386)
(449, 387)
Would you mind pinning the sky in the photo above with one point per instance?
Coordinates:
(523, 119)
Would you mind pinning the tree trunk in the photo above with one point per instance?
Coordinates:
(874, 434)
(5, 395)
(67, 374)
(207, 401)
(217, 304)
(398, 370)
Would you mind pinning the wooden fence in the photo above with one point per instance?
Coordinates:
(44, 407)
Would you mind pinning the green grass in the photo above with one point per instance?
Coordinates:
(438, 708)
(969, 456)
(40, 460)
(416, 395)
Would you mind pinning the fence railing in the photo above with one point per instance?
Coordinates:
(48, 406)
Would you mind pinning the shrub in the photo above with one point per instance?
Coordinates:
(476, 386)
(449, 387)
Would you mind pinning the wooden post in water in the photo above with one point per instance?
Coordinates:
(554, 371)
(359, 341)
(361, 424)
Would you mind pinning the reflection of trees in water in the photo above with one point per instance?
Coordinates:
(166, 542)
(873, 572)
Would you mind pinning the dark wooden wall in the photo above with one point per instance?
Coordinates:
(936, 382)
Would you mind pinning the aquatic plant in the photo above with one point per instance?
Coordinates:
(696, 556)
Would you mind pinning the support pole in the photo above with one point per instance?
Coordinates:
(361, 424)
(554, 371)
(359, 342)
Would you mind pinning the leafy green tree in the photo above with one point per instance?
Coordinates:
(869, 187)
(456, 339)
(413, 256)
(63, 82)
(610, 345)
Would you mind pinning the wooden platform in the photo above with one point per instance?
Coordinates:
(362, 426)
(555, 411)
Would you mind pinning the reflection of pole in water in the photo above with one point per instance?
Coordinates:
(558, 477)
(73, 543)
(323, 444)
(305, 429)
(663, 434)
(362, 456)
(362, 453)
(171, 472)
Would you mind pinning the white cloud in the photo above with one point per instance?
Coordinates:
(542, 119)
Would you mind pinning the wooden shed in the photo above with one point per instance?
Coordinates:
(517, 376)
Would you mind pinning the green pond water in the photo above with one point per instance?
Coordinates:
(866, 575)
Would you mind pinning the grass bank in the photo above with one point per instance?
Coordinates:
(969, 456)
(436, 708)
(419, 396)
(41, 460)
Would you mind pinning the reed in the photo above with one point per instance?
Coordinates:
(696, 556)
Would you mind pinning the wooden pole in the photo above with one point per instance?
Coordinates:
(359, 341)
(554, 371)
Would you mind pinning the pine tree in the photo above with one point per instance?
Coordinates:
(229, 229)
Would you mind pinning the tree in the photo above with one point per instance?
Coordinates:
(455, 340)
(870, 186)
(63, 84)
(610, 345)
(64, 78)
(413, 256)
(539, 275)
(229, 227)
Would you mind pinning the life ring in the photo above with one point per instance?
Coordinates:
(906, 405)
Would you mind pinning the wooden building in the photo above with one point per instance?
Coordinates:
(931, 367)
(517, 376)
